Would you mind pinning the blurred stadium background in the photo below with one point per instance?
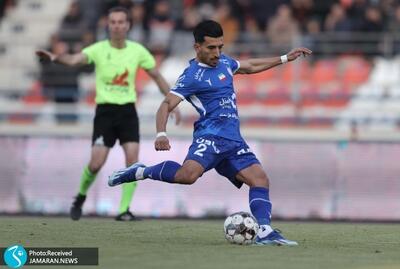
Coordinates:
(326, 128)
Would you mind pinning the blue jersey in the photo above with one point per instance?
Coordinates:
(210, 91)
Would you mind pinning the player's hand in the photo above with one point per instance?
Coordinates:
(176, 113)
(45, 55)
(162, 143)
(297, 52)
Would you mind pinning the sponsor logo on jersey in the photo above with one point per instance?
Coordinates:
(199, 74)
(121, 79)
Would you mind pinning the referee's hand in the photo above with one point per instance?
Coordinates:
(162, 143)
(45, 55)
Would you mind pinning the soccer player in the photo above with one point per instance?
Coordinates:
(217, 142)
(116, 61)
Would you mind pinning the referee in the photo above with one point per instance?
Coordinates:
(116, 61)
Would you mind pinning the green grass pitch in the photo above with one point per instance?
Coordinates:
(192, 244)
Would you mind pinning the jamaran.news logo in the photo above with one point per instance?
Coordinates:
(15, 256)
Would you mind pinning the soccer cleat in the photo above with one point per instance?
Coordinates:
(126, 216)
(76, 208)
(124, 175)
(275, 238)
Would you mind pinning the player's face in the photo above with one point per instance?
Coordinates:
(210, 50)
(118, 25)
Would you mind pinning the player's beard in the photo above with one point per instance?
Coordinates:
(204, 57)
(214, 61)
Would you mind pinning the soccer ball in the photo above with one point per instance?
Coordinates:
(240, 228)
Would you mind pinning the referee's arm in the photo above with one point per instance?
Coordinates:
(65, 59)
(159, 80)
(164, 89)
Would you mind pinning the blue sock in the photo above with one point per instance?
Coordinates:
(260, 205)
(164, 171)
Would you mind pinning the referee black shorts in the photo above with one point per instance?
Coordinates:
(113, 122)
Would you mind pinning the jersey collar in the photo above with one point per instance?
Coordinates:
(204, 65)
(200, 64)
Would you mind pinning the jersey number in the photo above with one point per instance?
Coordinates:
(200, 150)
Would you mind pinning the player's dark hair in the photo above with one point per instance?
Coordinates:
(207, 28)
(120, 9)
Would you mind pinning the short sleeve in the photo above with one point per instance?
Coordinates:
(233, 63)
(184, 86)
(91, 53)
(147, 60)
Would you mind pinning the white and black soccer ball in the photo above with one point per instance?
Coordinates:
(240, 228)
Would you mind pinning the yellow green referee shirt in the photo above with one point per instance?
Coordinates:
(116, 70)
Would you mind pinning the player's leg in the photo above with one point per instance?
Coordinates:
(245, 168)
(259, 202)
(98, 157)
(242, 166)
(167, 171)
(260, 205)
(131, 151)
(172, 172)
(203, 155)
(189, 173)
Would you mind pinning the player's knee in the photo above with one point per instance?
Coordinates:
(190, 178)
(261, 180)
(186, 177)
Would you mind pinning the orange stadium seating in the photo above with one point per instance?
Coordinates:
(323, 83)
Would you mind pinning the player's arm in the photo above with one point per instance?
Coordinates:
(65, 59)
(251, 66)
(164, 89)
(170, 102)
